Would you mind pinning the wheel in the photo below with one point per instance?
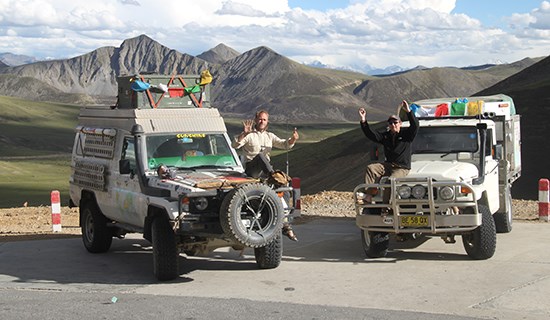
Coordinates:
(480, 244)
(252, 215)
(96, 235)
(270, 256)
(165, 250)
(503, 219)
(375, 244)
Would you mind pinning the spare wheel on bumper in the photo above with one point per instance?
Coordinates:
(252, 215)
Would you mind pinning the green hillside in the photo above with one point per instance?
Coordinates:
(29, 128)
(31, 181)
(35, 143)
(36, 140)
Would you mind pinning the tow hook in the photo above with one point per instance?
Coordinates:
(449, 239)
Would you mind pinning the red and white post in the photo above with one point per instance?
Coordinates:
(56, 211)
(296, 193)
(544, 203)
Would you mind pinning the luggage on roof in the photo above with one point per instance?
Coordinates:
(151, 91)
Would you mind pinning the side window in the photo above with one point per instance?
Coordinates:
(128, 152)
(79, 144)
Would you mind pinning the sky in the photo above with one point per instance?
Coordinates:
(348, 34)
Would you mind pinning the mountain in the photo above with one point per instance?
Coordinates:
(529, 89)
(366, 69)
(263, 79)
(258, 78)
(11, 59)
(219, 54)
(388, 91)
(23, 86)
(95, 73)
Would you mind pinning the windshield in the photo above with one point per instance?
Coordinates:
(189, 150)
(445, 139)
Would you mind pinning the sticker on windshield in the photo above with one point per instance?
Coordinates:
(190, 135)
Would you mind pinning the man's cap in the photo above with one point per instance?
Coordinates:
(393, 117)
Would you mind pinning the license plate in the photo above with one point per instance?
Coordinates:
(415, 221)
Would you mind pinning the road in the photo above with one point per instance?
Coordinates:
(323, 276)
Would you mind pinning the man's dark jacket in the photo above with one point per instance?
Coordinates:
(398, 150)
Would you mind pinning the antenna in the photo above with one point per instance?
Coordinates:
(287, 150)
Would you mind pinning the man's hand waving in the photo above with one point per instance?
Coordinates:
(363, 114)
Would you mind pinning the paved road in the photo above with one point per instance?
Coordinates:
(324, 276)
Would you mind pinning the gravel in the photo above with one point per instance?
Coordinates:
(24, 223)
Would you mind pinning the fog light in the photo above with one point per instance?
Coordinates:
(418, 191)
(404, 192)
(446, 193)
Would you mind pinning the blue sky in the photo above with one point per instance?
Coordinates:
(490, 12)
(355, 34)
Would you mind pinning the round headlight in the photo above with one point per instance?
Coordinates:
(446, 193)
(404, 192)
(418, 191)
(200, 203)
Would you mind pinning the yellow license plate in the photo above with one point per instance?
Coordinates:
(415, 221)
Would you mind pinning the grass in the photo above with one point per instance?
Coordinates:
(36, 140)
(29, 128)
(32, 180)
(309, 132)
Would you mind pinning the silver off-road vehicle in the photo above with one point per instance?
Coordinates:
(160, 163)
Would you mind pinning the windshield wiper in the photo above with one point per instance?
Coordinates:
(452, 151)
(209, 166)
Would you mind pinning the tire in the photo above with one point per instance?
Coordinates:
(503, 219)
(375, 244)
(165, 250)
(480, 244)
(252, 215)
(270, 256)
(96, 235)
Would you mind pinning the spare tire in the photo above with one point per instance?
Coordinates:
(252, 215)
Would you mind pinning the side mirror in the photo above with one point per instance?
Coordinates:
(481, 126)
(124, 166)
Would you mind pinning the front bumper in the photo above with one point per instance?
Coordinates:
(428, 215)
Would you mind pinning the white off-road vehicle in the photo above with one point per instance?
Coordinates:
(465, 158)
(160, 163)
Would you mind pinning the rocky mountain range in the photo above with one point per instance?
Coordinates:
(530, 90)
(243, 83)
(10, 59)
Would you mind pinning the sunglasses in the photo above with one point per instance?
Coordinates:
(393, 122)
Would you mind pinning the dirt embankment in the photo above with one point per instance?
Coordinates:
(25, 223)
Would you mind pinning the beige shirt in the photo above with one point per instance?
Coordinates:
(256, 142)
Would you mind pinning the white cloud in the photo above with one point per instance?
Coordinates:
(130, 2)
(541, 17)
(375, 32)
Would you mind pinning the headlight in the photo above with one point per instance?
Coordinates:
(404, 192)
(447, 193)
(418, 191)
(200, 203)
